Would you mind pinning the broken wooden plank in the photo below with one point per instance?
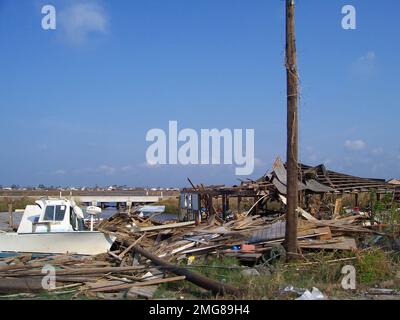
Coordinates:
(76, 271)
(104, 284)
(122, 286)
(123, 253)
(323, 233)
(19, 285)
(184, 247)
(207, 248)
(340, 243)
(304, 213)
(200, 280)
(146, 292)
(167, 226)
(112, 254)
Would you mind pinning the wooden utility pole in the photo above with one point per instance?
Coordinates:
(292, 139)
(10, 215)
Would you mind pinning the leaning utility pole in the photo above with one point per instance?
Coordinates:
(292, 139)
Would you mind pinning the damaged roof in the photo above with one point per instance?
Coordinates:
(312, 179)
(321, 180)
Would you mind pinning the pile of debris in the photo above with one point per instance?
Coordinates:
(148, 253)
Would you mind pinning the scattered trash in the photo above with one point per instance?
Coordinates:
(291, 289)
(191, 259)
(248, 248)
(315, 294)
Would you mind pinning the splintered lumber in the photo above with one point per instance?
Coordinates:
(167, 226)
(306, 215)
(94, 285)
(303, 213)
(123, 253)
(76, 271)
(197, 279)
(340, 243)
(323, 233)
(147, 292)
(202, 249)
(184, 247)
(113, 255)
(338, 206)
(20, 285)
(122, 286)
(76, 279)
(18, 267)
(68, 286)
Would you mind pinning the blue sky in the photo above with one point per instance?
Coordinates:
(76, 102)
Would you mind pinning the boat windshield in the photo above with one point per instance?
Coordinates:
(55, 213)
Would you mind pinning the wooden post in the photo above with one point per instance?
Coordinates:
(210, 206)
(307, 201)
(224, 207)
(256, 207)
(356, 202)
(10, 215)
(292, 138)
(239, 200)
(197, 219)
(338, 206)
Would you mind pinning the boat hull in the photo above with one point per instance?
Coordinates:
(78, 242)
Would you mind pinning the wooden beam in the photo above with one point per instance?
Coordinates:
(338, 206)
(200, 280)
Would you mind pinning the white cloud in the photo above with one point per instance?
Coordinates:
(355, 145)
(126, 168)
(82, 19)
(103, 169)
(107, 169)
(151, 164)
(368, 57)
(377, 151)
(60, 172)
(366, 64)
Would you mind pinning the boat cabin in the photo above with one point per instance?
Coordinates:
(52, 215)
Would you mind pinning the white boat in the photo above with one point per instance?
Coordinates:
(54, 226)
(150, 210)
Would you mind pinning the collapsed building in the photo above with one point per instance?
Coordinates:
(320, 189)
